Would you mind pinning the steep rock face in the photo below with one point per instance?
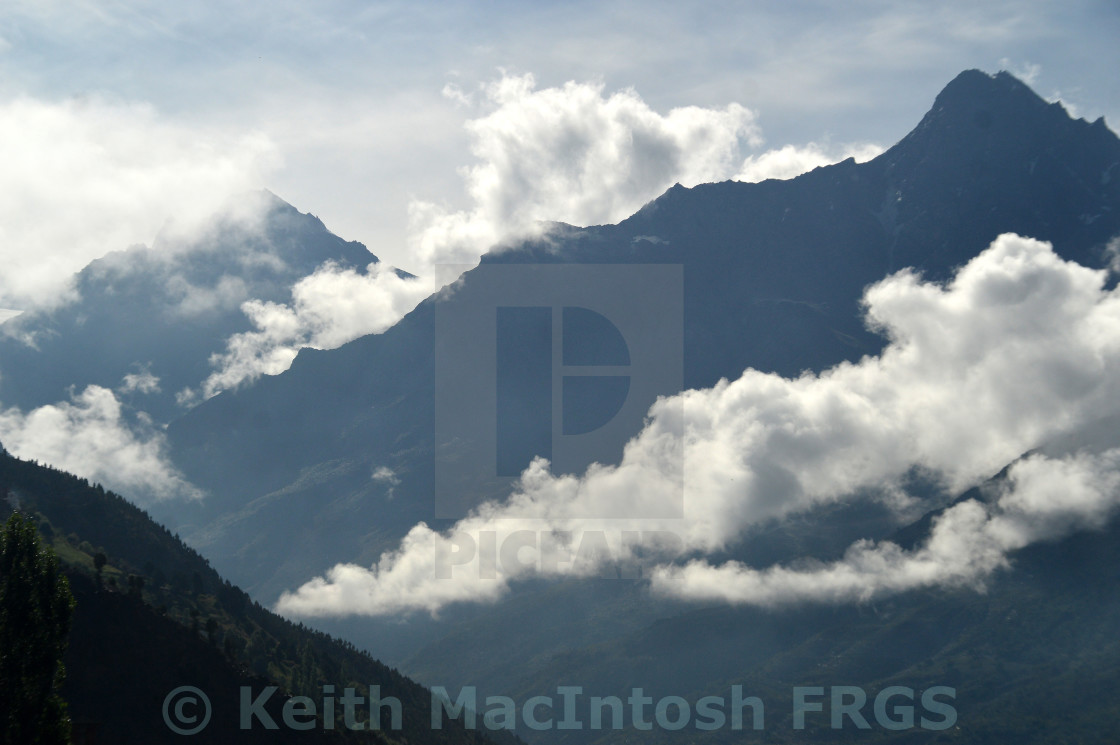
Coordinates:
(773, 273)
(167, 308)
(1009, 157)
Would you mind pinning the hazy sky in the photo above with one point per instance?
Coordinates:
(430, 132)
(114, 113)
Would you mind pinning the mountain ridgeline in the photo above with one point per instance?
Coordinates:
(773, 275)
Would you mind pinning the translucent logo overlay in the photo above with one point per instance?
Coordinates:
(554, 361)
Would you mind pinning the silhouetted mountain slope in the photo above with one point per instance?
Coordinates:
(773, 273)
(124, 658)
(999, 148)
(167, 308)
(159, 617)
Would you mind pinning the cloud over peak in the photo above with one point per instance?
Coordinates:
(572, 153)
(88, 176)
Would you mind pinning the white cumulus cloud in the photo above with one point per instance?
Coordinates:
(1019, 349)
(577, 154)
(573, 154)
(91, 436)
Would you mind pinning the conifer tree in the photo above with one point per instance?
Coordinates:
(36, 607)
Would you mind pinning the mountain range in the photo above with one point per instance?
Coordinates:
(773, 279)
(773, 276)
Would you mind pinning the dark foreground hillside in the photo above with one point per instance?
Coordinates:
(156, 617)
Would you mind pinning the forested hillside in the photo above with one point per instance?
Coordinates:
(152, 615)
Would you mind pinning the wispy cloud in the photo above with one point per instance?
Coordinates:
(1028, 72)
(1043, 499)
(330, 307)
(140, 382)
(387, 476)
(791, 160)
(1019, 348)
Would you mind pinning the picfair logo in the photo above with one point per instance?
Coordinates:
(552, 361)
(594, 379)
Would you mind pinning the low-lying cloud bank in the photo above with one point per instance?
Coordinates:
(1019, 349)
(1043, 499)
(93, 437)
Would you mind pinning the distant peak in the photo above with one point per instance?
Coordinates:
(978, 88)
(274, 201)
(977, 111)
(264, 200)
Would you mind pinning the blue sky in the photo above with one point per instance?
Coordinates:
(345, 110)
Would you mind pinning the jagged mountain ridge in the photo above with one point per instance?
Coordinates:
(773, 273)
